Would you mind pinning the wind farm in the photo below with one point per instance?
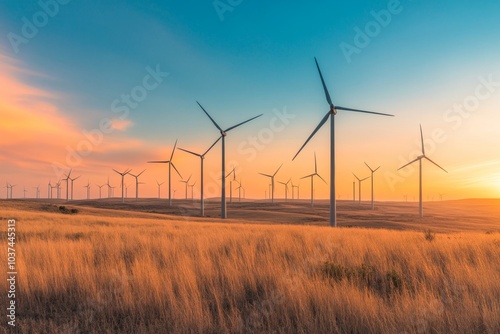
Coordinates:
(190, 178)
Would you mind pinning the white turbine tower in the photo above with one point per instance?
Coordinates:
(286, 188)
(223, 172)
(332, 112)
(202, 159)
(271, 190)
(373, 172)
(170, 165)
(359, 185)
(419, 159)
(137, 183)
(312, 179)
(123, 179)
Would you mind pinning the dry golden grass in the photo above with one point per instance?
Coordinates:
(99, 273)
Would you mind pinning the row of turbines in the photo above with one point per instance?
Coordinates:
(330, 115)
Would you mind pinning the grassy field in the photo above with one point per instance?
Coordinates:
(107, 271)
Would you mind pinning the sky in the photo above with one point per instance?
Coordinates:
(99, 85)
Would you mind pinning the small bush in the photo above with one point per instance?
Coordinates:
(429, 235)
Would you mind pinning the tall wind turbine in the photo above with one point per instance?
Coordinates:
(202, 159)
(332, 112)
(11, 188)
(49, 190)
(271, 191)
(159, 188)
(359, 185)
(373, 172)
(110, 189)
(137, 183)
(312, 179)
(419, 159)
(123, 179)
(170, 165)
(67, 184)
(186, 182)
(286, 188)
(192, 190)
(298, 191)
(239, 190)
(58, 189)
(223, 172)
(233, 171)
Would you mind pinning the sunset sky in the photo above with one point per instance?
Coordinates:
(143, 67)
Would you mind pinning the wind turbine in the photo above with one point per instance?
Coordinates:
(359, 185)
(298, 191)
(223, 172)
(7, 187)
(88, 190)
(73, 180)
(271, 190)
(186, 182)
(202, 159)
(49, 190)
(312, 179)
(170, 165)
(37, 195)
(24, 192)
(110, 189)
(192, 190)
(286, 188)
(332, 112)
(233, 171)
(53, 187)
(11, 188)
(354, 191)
(100, 189)
(239, 190)
(373, 172)
(58, 189)
(123, 178)
(159, 186)
(137, 183)
(419, 159)
(67, 184)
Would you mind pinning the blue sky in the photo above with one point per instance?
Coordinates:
(258, 58)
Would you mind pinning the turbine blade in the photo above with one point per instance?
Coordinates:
(376, 169)
(211, 146)
(327, 94)
(116, 171)
(304, 177)
(315, 164)
(173, 151)
(198, 155)
(323, 121)
(366, 178)
(278, 170)
(363, 111)
(266, 175)
(417, 159)
(176, 170)
(215, 123)
(369, 167)
(159, 162)
(141, 173)
(235, 126)
(435, 164)
(422, 139)
(321, 178)
(356, 176)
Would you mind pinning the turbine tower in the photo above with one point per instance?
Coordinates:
(373, 172)
(359, 185)
(419, 159)
(298, 191)
(100, 189)
(123, 179)
(73, 180)
(88, 190)
(239, 190)
(170, 165)
(223, 172)
(312, 179)
(331, 114)
(271, 190)
(137, 183)
(202, 159)
(233, 171)
(192, 190)
(67, 184)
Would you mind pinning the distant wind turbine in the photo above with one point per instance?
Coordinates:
(271, 191)
(223, 172)
(123, 179)
(170, 165)
(298, 191)
(186, 182)
(159, 187)
(88, 190)
(239, 190)
(419, 159)
(137, 183)
(202, 159)
(100, 189)
(332, 112)
(373, 172)
(286, 188)
(312, 179)
(359, 185)
(192, 190)
(67, 184)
